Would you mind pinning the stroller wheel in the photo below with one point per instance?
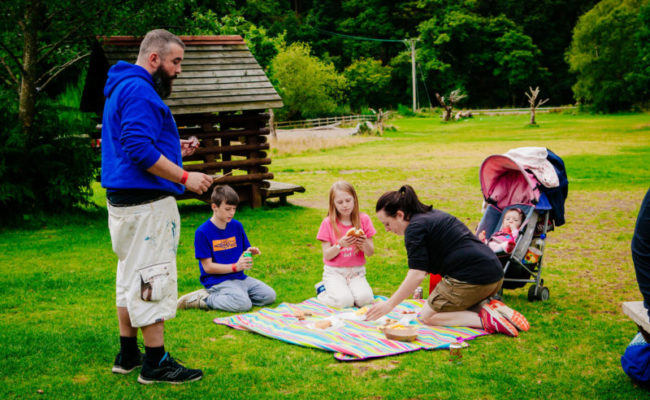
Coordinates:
(542, 294)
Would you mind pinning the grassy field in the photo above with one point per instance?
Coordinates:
(58, 327)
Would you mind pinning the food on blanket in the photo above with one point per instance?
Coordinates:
(323, 324)
(361, 311)
(408, 312)
(401, 332)
(301, 315)
(354, 232)
(387, 323)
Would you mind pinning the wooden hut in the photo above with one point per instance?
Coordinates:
(221, 97)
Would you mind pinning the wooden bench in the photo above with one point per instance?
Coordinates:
(639, 314)
(280, 189)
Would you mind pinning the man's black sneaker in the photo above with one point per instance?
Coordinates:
(168, 370)
(124, 365)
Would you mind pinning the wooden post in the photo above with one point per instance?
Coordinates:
(274, 135)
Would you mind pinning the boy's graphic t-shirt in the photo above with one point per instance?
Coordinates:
(348, 256)
(224, 246)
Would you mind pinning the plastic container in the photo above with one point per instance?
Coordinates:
(532, 255)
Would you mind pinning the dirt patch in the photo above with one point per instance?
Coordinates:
(324, 132)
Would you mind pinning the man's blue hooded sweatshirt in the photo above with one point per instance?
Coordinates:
(137, 128)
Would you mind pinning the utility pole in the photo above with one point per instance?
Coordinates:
(412, 41)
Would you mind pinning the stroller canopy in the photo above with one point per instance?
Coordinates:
(505, 182)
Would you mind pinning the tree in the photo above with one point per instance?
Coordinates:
(549, 23)
(454, 97)
(55, 36)
(534, 102)
(309, 87)
(46, 163)
(604, 55)
(489, 58)
(368, 81)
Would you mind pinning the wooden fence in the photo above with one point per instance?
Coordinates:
(525, 110)
(316, 122)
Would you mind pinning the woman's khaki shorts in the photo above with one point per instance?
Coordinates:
(454, 295)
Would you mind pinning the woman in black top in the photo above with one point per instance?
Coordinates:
(439, 243)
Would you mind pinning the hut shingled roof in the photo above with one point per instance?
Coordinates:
(219, 73)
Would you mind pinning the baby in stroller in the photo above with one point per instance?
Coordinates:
(505, 239)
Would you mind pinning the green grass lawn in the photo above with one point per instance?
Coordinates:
(58, 327)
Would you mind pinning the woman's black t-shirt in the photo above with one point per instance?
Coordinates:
(439, 243)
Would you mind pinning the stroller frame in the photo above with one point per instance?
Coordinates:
(537, 291)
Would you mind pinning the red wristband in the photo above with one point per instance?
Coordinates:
(234, 267)
(184, 178)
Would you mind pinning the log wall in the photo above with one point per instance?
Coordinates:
(230, 143)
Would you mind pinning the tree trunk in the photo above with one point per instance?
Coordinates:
(532, 116)
(446, 116)
(26, 105)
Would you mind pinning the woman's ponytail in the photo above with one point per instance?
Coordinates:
(405, 199)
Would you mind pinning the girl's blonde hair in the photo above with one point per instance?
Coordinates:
(343, 186)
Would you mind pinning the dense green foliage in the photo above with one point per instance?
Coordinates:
(609, 55)
(309, 87)
(369, 82)
(51, 169)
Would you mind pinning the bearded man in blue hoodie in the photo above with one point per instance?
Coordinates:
(142, 171)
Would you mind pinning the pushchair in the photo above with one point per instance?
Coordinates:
(509, 181)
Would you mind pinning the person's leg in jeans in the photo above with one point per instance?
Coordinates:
(231, 296)
(259, 292)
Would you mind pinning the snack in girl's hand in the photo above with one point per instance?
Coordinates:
(354, 232)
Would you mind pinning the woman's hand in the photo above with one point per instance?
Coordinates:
(378, 310)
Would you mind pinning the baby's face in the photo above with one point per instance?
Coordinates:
(512, 220)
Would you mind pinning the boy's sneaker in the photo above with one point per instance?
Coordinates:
(194, 299)
(168, 370)
(516, 318)
(124, 365)
(320, 287)
(493, 322)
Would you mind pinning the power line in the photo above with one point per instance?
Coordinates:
(360, 37)
(408, 42)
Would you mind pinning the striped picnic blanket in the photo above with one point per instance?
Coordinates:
(349, 339)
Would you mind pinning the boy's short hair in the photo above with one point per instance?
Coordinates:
(224, 193)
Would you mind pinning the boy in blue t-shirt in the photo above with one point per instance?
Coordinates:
(219, 245)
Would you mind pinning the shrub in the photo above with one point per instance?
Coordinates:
(309, 87)
(404, 111)
(51, 168)
(369, 81)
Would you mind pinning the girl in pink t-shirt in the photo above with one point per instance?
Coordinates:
(344, 255)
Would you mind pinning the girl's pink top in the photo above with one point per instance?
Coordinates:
(348, 256)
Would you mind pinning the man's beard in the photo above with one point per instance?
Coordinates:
(162, 82)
